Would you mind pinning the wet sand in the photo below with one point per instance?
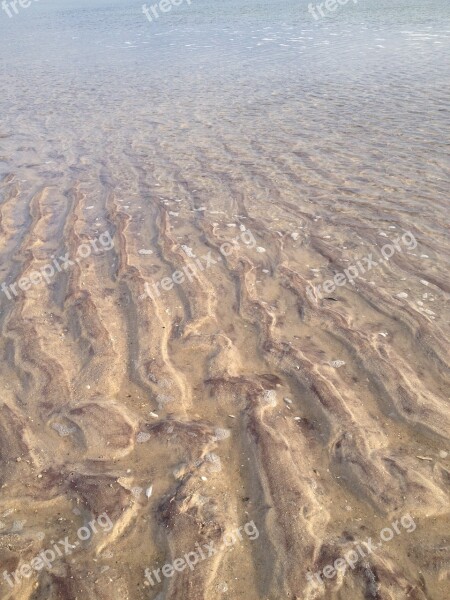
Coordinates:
(223, 393)
(194, 372)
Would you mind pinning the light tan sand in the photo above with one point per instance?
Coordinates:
(106, 391)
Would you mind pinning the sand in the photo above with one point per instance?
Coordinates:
(230, 397)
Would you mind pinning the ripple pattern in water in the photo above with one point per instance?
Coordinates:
(259, 331)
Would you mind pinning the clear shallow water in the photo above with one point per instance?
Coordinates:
(323, 138)
(85, 34)
(378, 65)
(362, 94)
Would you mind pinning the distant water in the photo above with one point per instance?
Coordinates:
(83, 79)
(368, 42)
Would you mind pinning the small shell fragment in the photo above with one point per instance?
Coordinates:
(63, 430)
(221, 434)
(336, 363)
(136, 491)
(216, 465)
(269, 397)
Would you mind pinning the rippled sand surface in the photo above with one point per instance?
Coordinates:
(260, 154)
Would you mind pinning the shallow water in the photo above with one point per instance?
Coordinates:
(253, 389)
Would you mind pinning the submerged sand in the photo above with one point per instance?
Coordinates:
(233, 396)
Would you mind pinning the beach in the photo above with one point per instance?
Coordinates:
(224, 301)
